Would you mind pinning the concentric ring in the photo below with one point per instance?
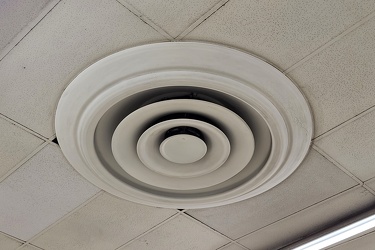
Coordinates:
(218, 151)
(113, 89)
(240, 138)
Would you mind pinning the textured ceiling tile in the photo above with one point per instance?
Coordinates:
(15, 145)
(353, 146)
(315, 180)
(232, 247)
(339, 81)
(8, 243)
(173, 16)
(15, 15)
(30, 247)
(106, 222)
(38, 193)
(71, 37)
(282, 32)
(310, 220)
(179, 234)
(365, 242)
(371, 183)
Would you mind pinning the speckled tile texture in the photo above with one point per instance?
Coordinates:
(282, 32)
(40, 192)
(72, 36)
(352, 146)
(15, 145)
(315, 180)
(179, 234)
(339, 81)
(106, 222)
(173, 16)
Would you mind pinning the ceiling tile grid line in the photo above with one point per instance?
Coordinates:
(210, 228)
(203, 18)
(62, 218)
(338, 165)
(345, 123)
(149, 230)
(330, 42)
(25, 30)
(12, 237)
(229, 245)
(309, 208)
(146, 20)
(23, 161)
(23, 127)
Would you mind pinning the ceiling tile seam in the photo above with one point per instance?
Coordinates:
(12, 237)
(202, 19)
(337, 164)
(23, 161)
(63, 218)
(178, 213)
(230, 244)
(19, 125)
(311, 207)
(330, 42)
(190, 217)
(29, 27)
(369, 188)
(29, 244)
(343, 124)
(145, 19)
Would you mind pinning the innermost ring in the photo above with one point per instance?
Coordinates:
(183, 148)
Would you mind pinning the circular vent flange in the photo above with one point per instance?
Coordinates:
(183, 125)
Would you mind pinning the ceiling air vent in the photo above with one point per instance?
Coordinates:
(183, 125)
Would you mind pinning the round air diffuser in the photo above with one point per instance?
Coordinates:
(183, 125)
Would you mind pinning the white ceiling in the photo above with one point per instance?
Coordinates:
(326, 47)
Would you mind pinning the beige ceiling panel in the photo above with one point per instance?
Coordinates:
(15, 15)
(310, 220)
(71, 37)
(15, 145)
(180, 233)
(339, 81)
(173, 16)
(315, 180)
(106, 222)
(8, 243)
(282, 32)
(40, 192)
(353, 145)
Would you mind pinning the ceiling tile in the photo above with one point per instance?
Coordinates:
(15, 15)
(339, 81)
(8, 243)
(310, 220)
(282, 32)
(315, 180)
(30, 247)
(365, 242)
(232, 247)
(353, 146)
(38, 193)
(72, 36)
(106, 222)
(15, 145)
(179, 234)
(173, 16)
(371, 183)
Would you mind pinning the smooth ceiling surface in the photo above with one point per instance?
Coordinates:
(326, 47)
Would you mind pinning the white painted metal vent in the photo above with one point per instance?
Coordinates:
(183, 125)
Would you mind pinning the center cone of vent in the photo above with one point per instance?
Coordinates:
(183, 145)
(191, 125)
